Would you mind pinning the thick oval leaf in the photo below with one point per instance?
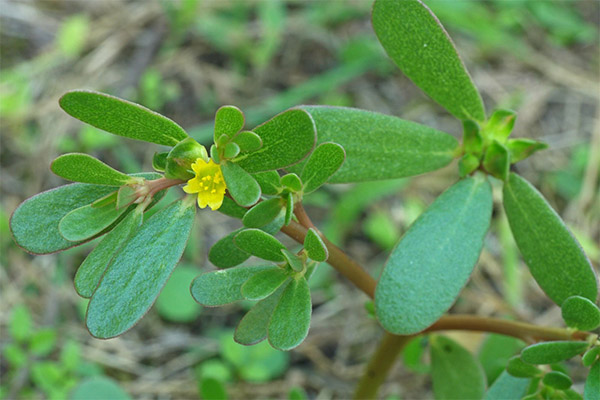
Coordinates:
(507, 387)
(248, 141)
(519, 368)
(121, 117)
(416, 41)
(269, 181)
(222, 287)
(380, 146)
(557, 380)
(287, 138)
(259, 244)
(225, 254)
(91, 270)
(314, 246)
(552, 352)
(241, 185)
(264, 283)
(139, 271)
(580, 313)
(87, 221)
(434, 259)
(455, 373)
(291, 319)
(252, 328)
(228, 121)
(590, 356)
(78, 167)
(322, 164)
(263, 213)
(553, 255)
(592, 383)
(34, 224)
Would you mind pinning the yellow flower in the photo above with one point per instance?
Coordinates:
(208, 183)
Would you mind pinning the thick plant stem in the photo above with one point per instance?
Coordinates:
(379, 365)
(391, 345)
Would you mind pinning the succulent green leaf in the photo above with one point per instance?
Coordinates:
(159, 161)
(139, 271)
(88, 221)
(259, 244)
(253, 326)
(315, 247)
(591, 390)
(380, 146)
(289, 208)
(248, 141)
(214, 154)
(182, 156)
(520, 149)
(455, 373)
(232, 209)
(262, 213)
(467, 164)
(287, 138)
(269, 181)
(34, 224)
(264, 283)
(500, 125)
(520, 369)
(507, 387)
(432, 262)
(90, 272)
(241, 185)
(290, 321)
(221, 287)
(497, 160)
(553, 255)
(229, 120)
(552, 352)
(590, 356)
(292, 182)
(225, 254)
(121, 117)
(231, 150)
(324, 161)
(78, 167)
(417, 42)
(295, 261)
(495, 352)
(472, 139)
(125, 196)
(557, 380)
(580, 313)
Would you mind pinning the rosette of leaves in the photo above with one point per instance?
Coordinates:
(283, 309)
(125, 273)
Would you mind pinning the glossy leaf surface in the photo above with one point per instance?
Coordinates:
(290, 321)
(78, 167)
(139, 271)
(91, 270)
(259, 244)
(87, 221)
(121, 117)
(264, 283)
(287, 138)
(241, 185)
(434, 259)
(34, 224)
(380, 146)
(553, 255)
(222, 287)
(455, 373)
(580, 313)
(417, 42)
(324, 161)
(552, 352)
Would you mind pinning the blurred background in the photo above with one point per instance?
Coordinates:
(186, 58)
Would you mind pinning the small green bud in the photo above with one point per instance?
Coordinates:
(182, 156)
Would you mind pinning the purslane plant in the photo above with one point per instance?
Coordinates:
(261, 175)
